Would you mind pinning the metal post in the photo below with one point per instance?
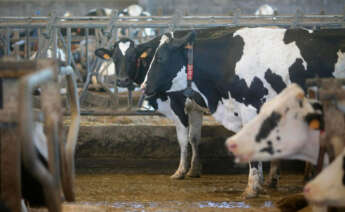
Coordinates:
(16, 48)
(27, 43)
(8, 42)
(55, 40)
(89, 74)
(87, 49)
(69, 50)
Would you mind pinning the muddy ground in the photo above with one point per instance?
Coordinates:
(153, 192)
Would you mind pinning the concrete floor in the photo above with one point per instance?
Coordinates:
(152, 192)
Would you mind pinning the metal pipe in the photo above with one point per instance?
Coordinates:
(72, 136)
(66, 19)
(8, 42)
(55, 40)
(26, 123)
(87, 49)
(27, 43)
(69, 50)
(117, 113)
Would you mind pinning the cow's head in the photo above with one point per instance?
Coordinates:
(328, 188)
(169, 60)
(286, 127)
(131, 63)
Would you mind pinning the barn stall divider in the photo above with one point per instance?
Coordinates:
(53, 30)
(20, 118)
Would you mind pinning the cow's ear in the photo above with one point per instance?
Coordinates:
(103, 53)
(315, 121)
(180, 42)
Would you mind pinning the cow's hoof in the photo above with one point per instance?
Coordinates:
(250, 193)
(194, 174)
(177, 176)
(271, 183)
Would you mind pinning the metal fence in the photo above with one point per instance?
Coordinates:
(49, 34)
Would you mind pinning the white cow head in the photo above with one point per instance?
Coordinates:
(328, 188)
(284, 128)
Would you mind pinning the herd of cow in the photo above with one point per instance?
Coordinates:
(252, 80)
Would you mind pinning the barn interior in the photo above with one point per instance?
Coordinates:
(104, 147)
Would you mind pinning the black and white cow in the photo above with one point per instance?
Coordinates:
(132, 63)
(32, 190)
(287, 127)
(237, 71)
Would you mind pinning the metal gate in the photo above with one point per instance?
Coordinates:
(42, 33)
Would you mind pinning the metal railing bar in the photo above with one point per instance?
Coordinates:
(148, 18)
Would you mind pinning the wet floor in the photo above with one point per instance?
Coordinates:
(149, 192)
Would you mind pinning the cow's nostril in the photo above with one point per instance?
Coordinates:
(232, 146)
(306, 190)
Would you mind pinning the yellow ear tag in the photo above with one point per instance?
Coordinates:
(300, 96)
(188, 46)
(143, 55)
(314, 124)
(106, 56)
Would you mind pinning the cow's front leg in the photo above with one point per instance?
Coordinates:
(130, 100)
(182, 138)
(195, 124)
(255, 180)
(274, 174)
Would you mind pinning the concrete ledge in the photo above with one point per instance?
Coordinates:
(149, 145)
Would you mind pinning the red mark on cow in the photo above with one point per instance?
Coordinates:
(189, 71)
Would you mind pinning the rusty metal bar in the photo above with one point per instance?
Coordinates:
(10, 168)
(68, 168)
(318, 81)
(116, 113)
(26, 120)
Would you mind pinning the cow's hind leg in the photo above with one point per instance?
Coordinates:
(195, 124)
(255, 180)
(182, 137)
(274, 174)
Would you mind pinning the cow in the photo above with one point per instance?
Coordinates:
(288, 126)
(265, 10)
(137, 34)
(132, 63)
(237, 71)
(328, 188)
